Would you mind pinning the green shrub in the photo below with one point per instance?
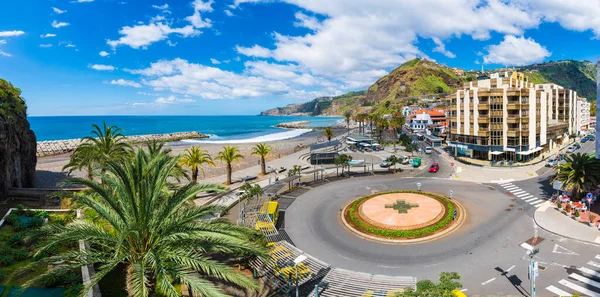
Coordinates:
(73, 291)
(403, 233)
(3, 274)
(17, 238)
(35, 222)
(19, 226)
(41, 214)
(21, 254)
(577, 213)
(11, 219)
(6, 259)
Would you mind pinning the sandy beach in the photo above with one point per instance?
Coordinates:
(49, 169)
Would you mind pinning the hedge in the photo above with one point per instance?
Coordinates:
(402, 233)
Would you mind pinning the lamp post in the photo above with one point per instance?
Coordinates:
(297, 261)
(451, 193)
(533, 269)
(419, 187)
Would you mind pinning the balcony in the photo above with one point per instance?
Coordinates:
(497, 101)
(452, 119)
(452, 107)
(513, 119)
(483, 120)
(513, 105)
(483, 132)
(483, 106)
(497, 127)
(512, 133)
(453, 131)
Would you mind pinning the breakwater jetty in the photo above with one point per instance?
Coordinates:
(293, 125)
(56, 147)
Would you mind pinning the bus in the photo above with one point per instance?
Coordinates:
(270, 208)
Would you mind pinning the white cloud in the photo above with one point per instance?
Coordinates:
(441, 48)
(46, 45)
(11, 33)
(141, 36)
(181, 77)
(171, 43)
(47, 35)
(101, 67)
(5, 54)
(103, 54)
(58, 11)
(195, 19)
(307, 21)
(161, 7)
(57, 25)
(173, 100)
(228, 12)
(125, 83)
(2, 41)
(67, 44)
(516, 51)
(255, 51)
(148, 94)
(215, 61)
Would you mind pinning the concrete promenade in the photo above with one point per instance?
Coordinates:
(554, 221)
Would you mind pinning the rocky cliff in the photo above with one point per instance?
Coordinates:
(17, 141)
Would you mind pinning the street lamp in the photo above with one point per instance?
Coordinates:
(297, 261)
(533, 269)
(450, 192)
(419, 187)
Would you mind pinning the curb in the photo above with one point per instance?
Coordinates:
(461, 219)
(561, 235)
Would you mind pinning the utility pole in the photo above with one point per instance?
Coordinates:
(533, 270)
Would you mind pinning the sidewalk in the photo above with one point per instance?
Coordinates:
(553, 221)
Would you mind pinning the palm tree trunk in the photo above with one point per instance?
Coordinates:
(89, 172)
(263, 170)
(195, 174)
(229, 173)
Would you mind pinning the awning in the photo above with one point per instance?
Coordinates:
(497, 153)
(350, 142)
(364, 144)
(529, 152)
(376, 144)
(419, 135)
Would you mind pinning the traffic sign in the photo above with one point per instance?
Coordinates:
(589, 196)
(455, 212)
(451, 164)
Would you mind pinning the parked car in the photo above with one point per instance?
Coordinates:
(428, 150)
(576, 145)
(584, 140)
(434, 168)
(591, 138)
(560, 157)
(570, 149)
(552, 162)
(385, 164)
(404, 160)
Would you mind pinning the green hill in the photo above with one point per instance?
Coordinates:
(576, 75)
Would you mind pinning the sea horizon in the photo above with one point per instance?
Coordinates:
(223, 129)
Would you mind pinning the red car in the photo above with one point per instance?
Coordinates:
(434, 168)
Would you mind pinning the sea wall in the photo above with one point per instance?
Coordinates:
(56, 147)
(293, 125)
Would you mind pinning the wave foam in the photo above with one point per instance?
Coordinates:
(265, 138)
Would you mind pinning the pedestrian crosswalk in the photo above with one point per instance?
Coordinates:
(522, 194)
(584, 281)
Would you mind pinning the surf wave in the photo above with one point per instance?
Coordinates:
(265, 138)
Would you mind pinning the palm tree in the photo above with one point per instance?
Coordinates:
(156, 147)
(328, 132)
(344, 161)
(580, 173)
(104, 145)
(194, 158)
(348, 115)
(396, 123)
(151, 231)
(229, 154)
(262, 150)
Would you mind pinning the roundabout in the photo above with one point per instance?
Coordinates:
(403, 217)
(486, 235)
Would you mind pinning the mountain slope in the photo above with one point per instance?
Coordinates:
(576, 75)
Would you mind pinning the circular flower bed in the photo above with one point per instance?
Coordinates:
(353, 216)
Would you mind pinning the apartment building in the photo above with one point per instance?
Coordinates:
(506, 117)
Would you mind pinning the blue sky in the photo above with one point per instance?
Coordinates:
(91, 57)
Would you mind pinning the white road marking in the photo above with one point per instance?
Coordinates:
(523, 195)
(509, 269)
(557, 291)
(506, 184)
(531, 199)
(539, 202)
(538, 205)
(598, 257)
(517, 192)
(526, 197)
(577, 288)
(562, 250)
(536, 201)
(589, 271)
(595, 264)
(464, 290)
(488, 281)
(584, 279)
(511, 187)
(383, 266)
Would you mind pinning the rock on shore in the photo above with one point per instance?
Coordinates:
(17, 142)
(293, 125)
(55, 147)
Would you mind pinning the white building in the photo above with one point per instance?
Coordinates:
(420, 122)
(582, 119)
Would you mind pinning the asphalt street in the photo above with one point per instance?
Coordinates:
(485, 251)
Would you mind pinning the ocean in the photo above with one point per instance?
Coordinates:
(222, 129)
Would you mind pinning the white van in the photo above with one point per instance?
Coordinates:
(428, 150)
